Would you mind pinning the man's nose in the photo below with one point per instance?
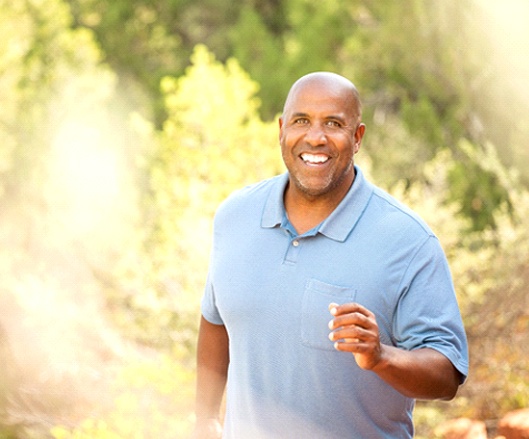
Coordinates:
(316, 135)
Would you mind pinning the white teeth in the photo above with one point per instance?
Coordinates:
(314, 158)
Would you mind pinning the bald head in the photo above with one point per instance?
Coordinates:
(330, 83)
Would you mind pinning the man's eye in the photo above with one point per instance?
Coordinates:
(332, 124)
(301, 122)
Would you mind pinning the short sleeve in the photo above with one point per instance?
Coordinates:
(427, 314)
(208, 305)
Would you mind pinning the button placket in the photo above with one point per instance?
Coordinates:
(293, 249)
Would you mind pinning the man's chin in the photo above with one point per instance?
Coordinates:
(313, 189)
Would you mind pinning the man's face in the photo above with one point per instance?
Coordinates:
(319, 134)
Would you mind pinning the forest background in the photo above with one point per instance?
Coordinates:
(124, 123)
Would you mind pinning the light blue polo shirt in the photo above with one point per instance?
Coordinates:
(271, 289)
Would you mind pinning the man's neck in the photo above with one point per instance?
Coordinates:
(306, 212)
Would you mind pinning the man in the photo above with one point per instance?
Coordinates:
(329, 307)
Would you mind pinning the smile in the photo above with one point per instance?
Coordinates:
(314, 158)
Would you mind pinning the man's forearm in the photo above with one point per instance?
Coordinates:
(212, 369)
(210, 390)
(422, 374)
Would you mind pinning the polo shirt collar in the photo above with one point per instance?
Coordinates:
(339, 224)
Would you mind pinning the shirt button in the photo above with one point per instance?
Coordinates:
(295, 243)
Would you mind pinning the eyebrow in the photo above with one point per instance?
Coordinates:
(332, 116)
(299, 115)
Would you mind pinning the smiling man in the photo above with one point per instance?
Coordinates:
(320, 132)
(329, 306)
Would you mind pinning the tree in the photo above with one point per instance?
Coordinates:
(212, 143)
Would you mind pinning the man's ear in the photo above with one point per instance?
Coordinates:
(359, 135)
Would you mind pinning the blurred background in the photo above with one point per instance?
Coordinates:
(124, 123)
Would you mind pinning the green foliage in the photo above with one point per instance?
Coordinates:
(155, 38)
(264, 56)
(410, 74)
(480, 185)
(426, 418)
(213, 125)
(153, 400)
(38, 54)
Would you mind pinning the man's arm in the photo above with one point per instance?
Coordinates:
(422, 373)
(212, 372)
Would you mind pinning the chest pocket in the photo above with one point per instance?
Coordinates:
(315, 315)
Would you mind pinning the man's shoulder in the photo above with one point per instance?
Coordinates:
(400, 213)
